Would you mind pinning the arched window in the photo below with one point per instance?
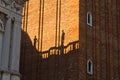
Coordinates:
(90, 67)
(89, 18)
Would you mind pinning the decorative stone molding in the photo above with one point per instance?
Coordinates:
(2, 22)
(2, 69)
(8, 17)
(11, 72)
(15, 5)
(15, 73)
(20, 2)
(10, 34)
(1, 26)
(6, 2)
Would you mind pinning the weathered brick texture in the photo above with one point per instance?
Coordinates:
(101, 41)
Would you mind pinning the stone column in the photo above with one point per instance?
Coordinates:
(6, 46)
(1, 36)
(1, 40)
(5, 51)
(15, 55)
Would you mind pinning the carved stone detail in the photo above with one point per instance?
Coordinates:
(20, 2)
(2, 21)
(16, 5)
(1, 25)
(6, 2)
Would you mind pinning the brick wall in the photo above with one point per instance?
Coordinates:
(57, 63)
(69, 21)
(32, 66)
(101, 41)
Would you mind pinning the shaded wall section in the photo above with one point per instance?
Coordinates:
(46, 20)
(28, 59)
(57, 63)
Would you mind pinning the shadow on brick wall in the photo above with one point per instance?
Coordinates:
(57, 63)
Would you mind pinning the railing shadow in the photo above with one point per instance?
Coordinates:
(60, 63)
(61, 50)
(57, 63)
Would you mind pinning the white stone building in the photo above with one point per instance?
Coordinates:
(10, 34)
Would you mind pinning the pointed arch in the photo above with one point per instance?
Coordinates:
(89, 18)
(90, 67)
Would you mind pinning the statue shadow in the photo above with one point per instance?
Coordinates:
(57, 63)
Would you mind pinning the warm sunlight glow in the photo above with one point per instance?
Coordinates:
(69, 22)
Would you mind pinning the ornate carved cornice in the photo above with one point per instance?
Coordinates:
(20, 2)
(8, 2)
(16, 6)
(13, 4)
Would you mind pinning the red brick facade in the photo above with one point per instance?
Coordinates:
(57, 63)
(101, 41)
(41, 20)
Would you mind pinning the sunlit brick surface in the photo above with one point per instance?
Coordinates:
(69, 21)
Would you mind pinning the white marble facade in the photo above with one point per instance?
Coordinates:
(10, 34)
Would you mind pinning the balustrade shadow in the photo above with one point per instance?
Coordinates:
(57, 63)
(60, 63)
